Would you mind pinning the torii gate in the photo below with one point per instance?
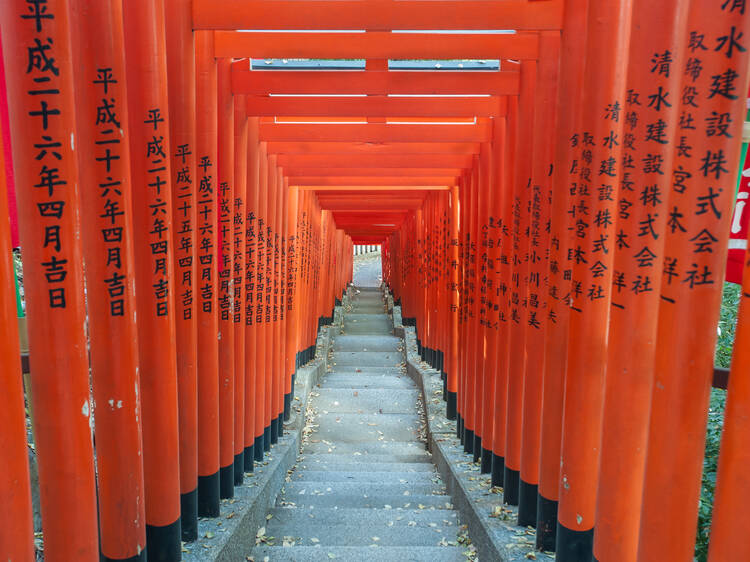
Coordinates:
(554, 229)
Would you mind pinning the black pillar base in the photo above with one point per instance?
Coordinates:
(226, 480)
(189, 515)
(546, 523)
(498, 470)
(511, 478)
(249, 458)
(486, 461)
(208, 495)
(477, 449)
(287, 406)
(239, 468)
(573, 546)
(266, 439)
(274, 430)
(280, 423)
(468, 441)
(450, 408)
(527, 496)
(460, 428)
(259, 447)
(163, 543)
(142, 557)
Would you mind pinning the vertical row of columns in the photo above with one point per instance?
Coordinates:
(167, 258)
(586, 244)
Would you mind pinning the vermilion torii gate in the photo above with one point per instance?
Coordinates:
(554, 228)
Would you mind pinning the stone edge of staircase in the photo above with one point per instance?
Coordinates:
(493, 538)
(232, 539)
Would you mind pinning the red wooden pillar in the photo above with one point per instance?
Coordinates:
(251, 280)
(148, 110)
(497, 344)
(638, 259)
(729, 524)
(262, 442)
(505, 240)
(291, 305)
(42, 122)
(207, 274)
(278, 301)
(454, 276)
(239, 210)
(484, 386)
(105, 187)
(519, 313)
(536, 299)
(226, 277)
(594, 236)
(272, 383)
(564, 185)
(700, 202)
(16, 527)
(181, 82)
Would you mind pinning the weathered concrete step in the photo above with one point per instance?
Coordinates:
(354, 382)
(367, 427)
(365, 370)
(381, 535)
(380, 501)
(367, 343)
(367, 324)
(314, 446)
(359, 554)
(368, 477)
(355, 466)
(387, 401)
(313, 461)
(366, 517)
(296, 488)
(366, 358)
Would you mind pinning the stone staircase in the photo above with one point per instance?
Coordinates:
(364, 488)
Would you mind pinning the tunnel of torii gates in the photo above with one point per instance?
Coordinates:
(555, 228)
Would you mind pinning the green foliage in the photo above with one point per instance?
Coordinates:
(713, 442)
(727, 323)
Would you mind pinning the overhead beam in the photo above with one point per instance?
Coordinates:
(371, 172)
(374, 132)
(371, 148)
(358, 202)
(264, 82)
(358, 193)
(374, 160)
(375, 45)
(262, 106)
(377, 15)
(319, 181)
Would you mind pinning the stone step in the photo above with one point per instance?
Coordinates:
(366, 358)
(365, 370)
(359, 554)
(315, 446)
(367, 427)
(297, 489)
(379, 501)
(319, 476)
(387, 401)
(354, 381)
(355, 466)
(367, 324)
(355, 517)
(313, 461)
(367, 343)
(365, 535)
